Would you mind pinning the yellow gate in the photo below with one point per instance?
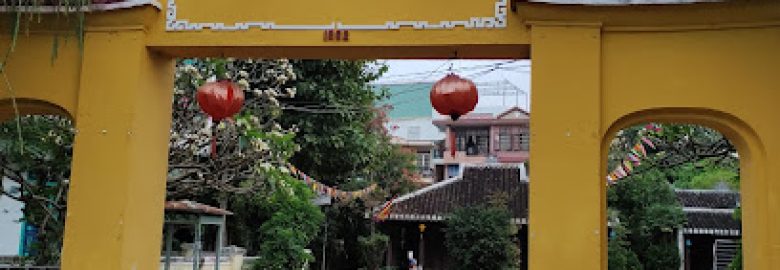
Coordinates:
(596, 69)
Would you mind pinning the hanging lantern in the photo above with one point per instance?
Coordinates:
(221, 99)
(454, 96)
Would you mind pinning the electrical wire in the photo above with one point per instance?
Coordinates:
(477, 72)
(466, 68)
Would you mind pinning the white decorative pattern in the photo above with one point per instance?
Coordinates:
(174, 24)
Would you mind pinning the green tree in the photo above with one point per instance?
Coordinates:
(274, 217)
(683, 150)
(480, 237)
(648, 208)
(294, 222)
(372, 247)
(344, 144)
(621, 257)
(690, 157)
(39, 167)
(253, 139)
(332, 112)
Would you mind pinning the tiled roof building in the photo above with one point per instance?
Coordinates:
(710, 211)
(476, 186)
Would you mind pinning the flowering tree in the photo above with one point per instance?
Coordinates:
(246, 146)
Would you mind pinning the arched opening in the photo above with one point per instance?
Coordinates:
(675, 185)
(9, 108)
(35, 161)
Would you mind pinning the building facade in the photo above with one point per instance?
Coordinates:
(481, 138)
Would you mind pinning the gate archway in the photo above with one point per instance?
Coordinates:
(595, 68)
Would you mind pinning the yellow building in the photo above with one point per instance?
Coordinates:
(596, 69)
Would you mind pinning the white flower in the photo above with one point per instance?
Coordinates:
(274, 101)
(243, 74)
(260, 145)
(291, 91)
(265, 166)
(243, 83)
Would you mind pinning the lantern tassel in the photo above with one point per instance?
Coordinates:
(452, 143)
(214, 139)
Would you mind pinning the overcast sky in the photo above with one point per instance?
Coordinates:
(516, 72)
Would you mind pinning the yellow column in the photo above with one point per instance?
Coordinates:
(567, 192)
(115, 204)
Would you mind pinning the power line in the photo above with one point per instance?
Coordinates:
(483, 70)
(453, 70)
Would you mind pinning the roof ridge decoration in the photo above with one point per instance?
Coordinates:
(428, 189)
(498, 21)
(709, 210)
(705, 191)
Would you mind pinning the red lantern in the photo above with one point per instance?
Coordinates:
(220, 99)
(454, 96)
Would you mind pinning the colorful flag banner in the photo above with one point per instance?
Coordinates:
(627, 166)
(320, 188)
(634, 158)
(648, 142)
(641, 149)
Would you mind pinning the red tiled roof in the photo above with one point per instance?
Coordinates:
(195, 208)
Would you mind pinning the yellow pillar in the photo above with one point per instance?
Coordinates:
(567, 207)
(115, 206)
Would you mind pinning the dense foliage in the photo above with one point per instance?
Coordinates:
(692, 156)
(274, 217)
(621, 257)
(344, 144)
(38, 167)
(293, 223)
(644, 204)
(331, 110)
(480, 237)
(648, 208)
(372, 247)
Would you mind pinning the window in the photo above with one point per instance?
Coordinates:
(505, 139)
(512, 139)
(424, 164)
(474, 141)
